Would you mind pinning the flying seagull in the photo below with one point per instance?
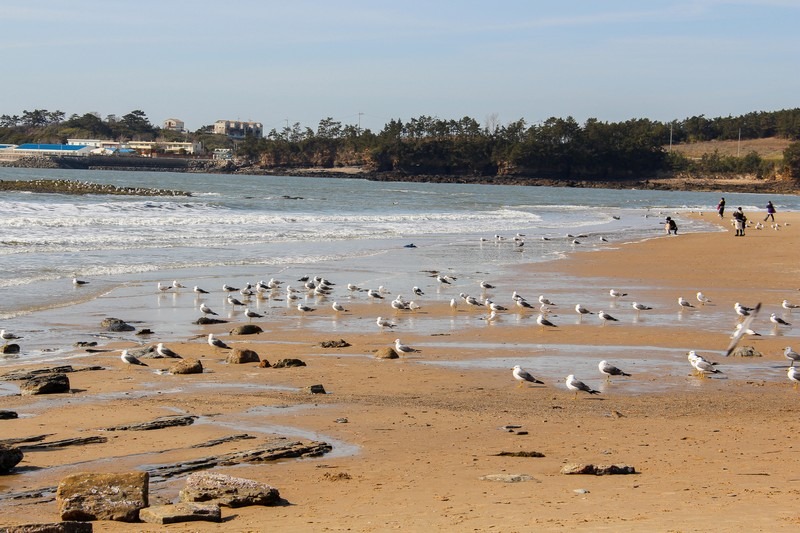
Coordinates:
(737, 336)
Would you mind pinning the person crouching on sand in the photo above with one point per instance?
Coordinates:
(670, 226)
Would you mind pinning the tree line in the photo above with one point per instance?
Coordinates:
(555, 148)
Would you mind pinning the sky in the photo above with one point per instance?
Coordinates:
(366, 62)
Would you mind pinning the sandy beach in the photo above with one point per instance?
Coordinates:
(415, 438)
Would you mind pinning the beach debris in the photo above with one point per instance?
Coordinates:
(9, 458)
(116, 325)
(316, 389)
(96, 496)
(508, 478)
(205, 321)
(288, 363)
(187, 366)
(158, 423)
(264, 364)
(341, 343)
(7, 415)
(241, 355)
(181, 512)
(596, 470)
(228, 491)
(518, 454)
(55, 383)
(246, 329)
(338, 476)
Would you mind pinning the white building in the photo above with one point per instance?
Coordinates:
(174, 124)
(237, 129)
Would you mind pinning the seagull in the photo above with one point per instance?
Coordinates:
(492, 316)
(403, 348)
(163, 288)
(702, 298)
(577, 386)
(336, 306)
(216, 343)
(177, 285)
(521, 302)
(233, 301)
(605, 317)
(399, 304)
(495, 307)
(737, 335)
(353, 287)
(417, 291)
(684, 303)
(453, 304)
(485, 285)
(7, 335)
(206, 310)
(163, 351)
(250, 314)
(413, 306)
(617, 294)
(77, 282)
(581, 310)
(789, 306)
(130, 359)
(441, 278)
(385, 323)
(791, 355)
(373, 293)
(610, 370)
(742, 311)
(778, 321)
(545, 301)
(304, 308)
(703, 366)
(748, 331)
(794, 374)
(198, 290)
(542, 321)
(640, 307)
(228, 288)
(523, 375)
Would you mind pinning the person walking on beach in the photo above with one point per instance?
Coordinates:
(670, 226)
(721, 207)
(739, 221)
(770, 211)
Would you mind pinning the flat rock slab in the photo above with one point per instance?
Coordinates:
(228, 491)
(54, 527)
(45, 384)
(508, 478)
(93, 496)
(158, 423)
(181, 512)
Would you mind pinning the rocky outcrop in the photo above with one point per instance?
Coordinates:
(45, 384)
(9, 458)
(116, 325)
(228, 491)
(240, 356)
(61, 186)
(54, 527)
(91, 496)
(597, 470)
(246, 329)
(181, 512)
(187, 366)
(9, 349)
(158, 423)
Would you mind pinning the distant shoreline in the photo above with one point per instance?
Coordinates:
(712, 183)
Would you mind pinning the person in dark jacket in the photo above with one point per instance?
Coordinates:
(770, 211)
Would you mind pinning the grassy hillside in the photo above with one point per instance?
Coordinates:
(770, 149)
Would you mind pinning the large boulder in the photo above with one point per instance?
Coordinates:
(92, 496)
(246, 329)
(241, 355)
(116, 325)
(45, 384)
(187, 366)
(181, 512)
(228, 491)
(8, 415)
(9, 458)
(386, 353)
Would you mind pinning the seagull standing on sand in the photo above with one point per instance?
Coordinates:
(702, 298)
(640, 307)
(581, 310)
(304, 308)
(250, 314)
(198, 290)
(163, 288)
(685, 304)
(545, 301)
(485, 285)
(542, 321)
(216, 343)
(522, 376)
(789, 306)
(610, 370)
(443, 279)
(778, 321)
(617, 294)
(403, 348)
(453, 304)
(373, 293)
(701, 365)
(163, 351)
(385, 323)
(177, 285)
(794, 375)
(130, 359)
(791, 355)
(206, 309)
(336, 306)
(605, 317)
(233, 301)
(577, 386)
(77, 282)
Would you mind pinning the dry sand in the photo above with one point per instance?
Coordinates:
(710, 454)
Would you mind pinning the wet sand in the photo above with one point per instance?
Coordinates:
(711, 454)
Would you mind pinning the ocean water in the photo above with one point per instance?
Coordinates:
(242, 229)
